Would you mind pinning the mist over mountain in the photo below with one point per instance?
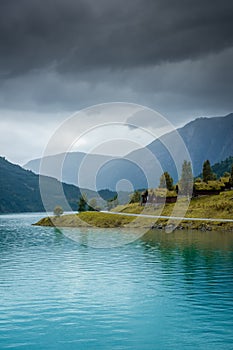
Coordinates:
(203, 138)
(70, 163)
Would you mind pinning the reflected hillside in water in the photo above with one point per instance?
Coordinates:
(201, 260)
(180, 240)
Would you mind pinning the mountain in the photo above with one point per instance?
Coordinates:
(208, 138)
(99, 171)
(70, 163)
(20, 191)
(204, 138)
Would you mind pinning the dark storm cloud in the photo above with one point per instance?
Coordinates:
(179, 90)
(74, 35)
(64, 55)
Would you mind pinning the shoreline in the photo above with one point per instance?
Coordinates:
(98, 220)
(207, 213)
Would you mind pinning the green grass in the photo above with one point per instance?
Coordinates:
(105, 220)
(216, 206)
(86, 219)
(215, 185)
(162, 192)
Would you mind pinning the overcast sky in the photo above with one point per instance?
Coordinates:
(59, 56)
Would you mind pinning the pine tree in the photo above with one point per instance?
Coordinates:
(231, 178)
(166, 181)
(135, 197)
(186, 181)
(82, 204)
(207, 173)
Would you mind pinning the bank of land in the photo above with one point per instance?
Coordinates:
(214, 206)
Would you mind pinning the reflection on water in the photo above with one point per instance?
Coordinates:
(211, 240)
(162, 291)
(102, 237)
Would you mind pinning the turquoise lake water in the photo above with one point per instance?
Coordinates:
(162, 291)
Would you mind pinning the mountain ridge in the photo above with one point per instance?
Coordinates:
(204, 138)
(20, 190)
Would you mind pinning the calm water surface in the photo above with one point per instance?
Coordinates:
(163, 291)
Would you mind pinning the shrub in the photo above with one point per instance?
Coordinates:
(58, 211)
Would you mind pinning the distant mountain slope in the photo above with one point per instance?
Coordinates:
(204, 138)
(70, 163)
(106, 176)
(208, 138)
(224, 166)
(19, 190)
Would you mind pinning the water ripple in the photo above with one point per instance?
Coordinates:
(161, 291)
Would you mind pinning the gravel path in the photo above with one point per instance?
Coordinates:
(170, 217)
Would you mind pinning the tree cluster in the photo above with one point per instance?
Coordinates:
(207, 173)
(185, 184)
(83, 204)
(135, 197)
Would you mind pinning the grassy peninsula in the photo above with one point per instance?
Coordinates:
(215, 206)
(86, 219)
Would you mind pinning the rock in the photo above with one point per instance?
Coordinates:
(205, 227)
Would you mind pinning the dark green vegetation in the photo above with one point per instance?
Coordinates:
(82, 204)
(207, 183)
(85, 205)
(166, 181)
(224, 166)
(20, 191)
(208, 180)
(163, 201)
(218, 206)
(135, 197)
(207, 173)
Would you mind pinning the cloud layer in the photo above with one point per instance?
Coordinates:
(59, 56)
(74, 35)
